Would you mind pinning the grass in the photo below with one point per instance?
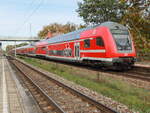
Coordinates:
(135, 98)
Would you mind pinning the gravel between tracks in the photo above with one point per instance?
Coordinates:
(105, 100)
(129, 80)
(69, 102)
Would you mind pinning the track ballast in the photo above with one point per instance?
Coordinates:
(54, 96)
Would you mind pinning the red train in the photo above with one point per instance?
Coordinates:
(107, 44)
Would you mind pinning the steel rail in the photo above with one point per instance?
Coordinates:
(131, 75)
(99, 105)
(49, 99)
(136, 73)
(126, 74)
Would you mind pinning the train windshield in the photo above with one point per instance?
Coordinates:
(122, 39)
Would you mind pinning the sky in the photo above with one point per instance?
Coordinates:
(25, 18)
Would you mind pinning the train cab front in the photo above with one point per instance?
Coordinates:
(123, 55)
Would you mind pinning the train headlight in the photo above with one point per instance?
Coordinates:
(119, 48)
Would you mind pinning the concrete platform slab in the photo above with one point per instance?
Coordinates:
(14, 98)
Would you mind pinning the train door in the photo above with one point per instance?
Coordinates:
(47, 51)
(35, 50)
(77, 50)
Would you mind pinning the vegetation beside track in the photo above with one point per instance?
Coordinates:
(134, 98)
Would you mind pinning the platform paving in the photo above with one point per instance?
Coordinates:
(13, 97)
(1, 94)
(10, 99)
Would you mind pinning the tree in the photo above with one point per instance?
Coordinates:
(137, 17)
(10, 47)
(98, 11)
(135, 14)
(57, 29)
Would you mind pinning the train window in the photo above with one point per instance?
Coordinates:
(50, 52)
(99, 41)
(43, 48)
(87, 43)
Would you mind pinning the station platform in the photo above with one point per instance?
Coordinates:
(14, 97)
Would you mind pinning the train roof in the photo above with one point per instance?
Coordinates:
(74, 35)
(113, 25)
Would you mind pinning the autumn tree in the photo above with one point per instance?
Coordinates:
(135, 14)
(137, 17)
(10, 47)
(57, 29)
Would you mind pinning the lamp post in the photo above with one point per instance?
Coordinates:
(0, 49)
(15, 48)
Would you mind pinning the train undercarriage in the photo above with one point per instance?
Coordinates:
(123, 63)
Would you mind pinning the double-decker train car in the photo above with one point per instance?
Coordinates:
(106, 44)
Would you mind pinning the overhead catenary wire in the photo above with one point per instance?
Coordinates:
(31, 3)
(30, 15)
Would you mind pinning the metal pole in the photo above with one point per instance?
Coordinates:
(30, 31)
(15, 48)
(1, 50)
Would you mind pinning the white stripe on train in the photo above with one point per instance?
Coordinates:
(74, 58)
(93, 51)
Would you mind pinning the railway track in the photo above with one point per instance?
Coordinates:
(46, 103)
(54, 96)
(141, 73)
(138, 72)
